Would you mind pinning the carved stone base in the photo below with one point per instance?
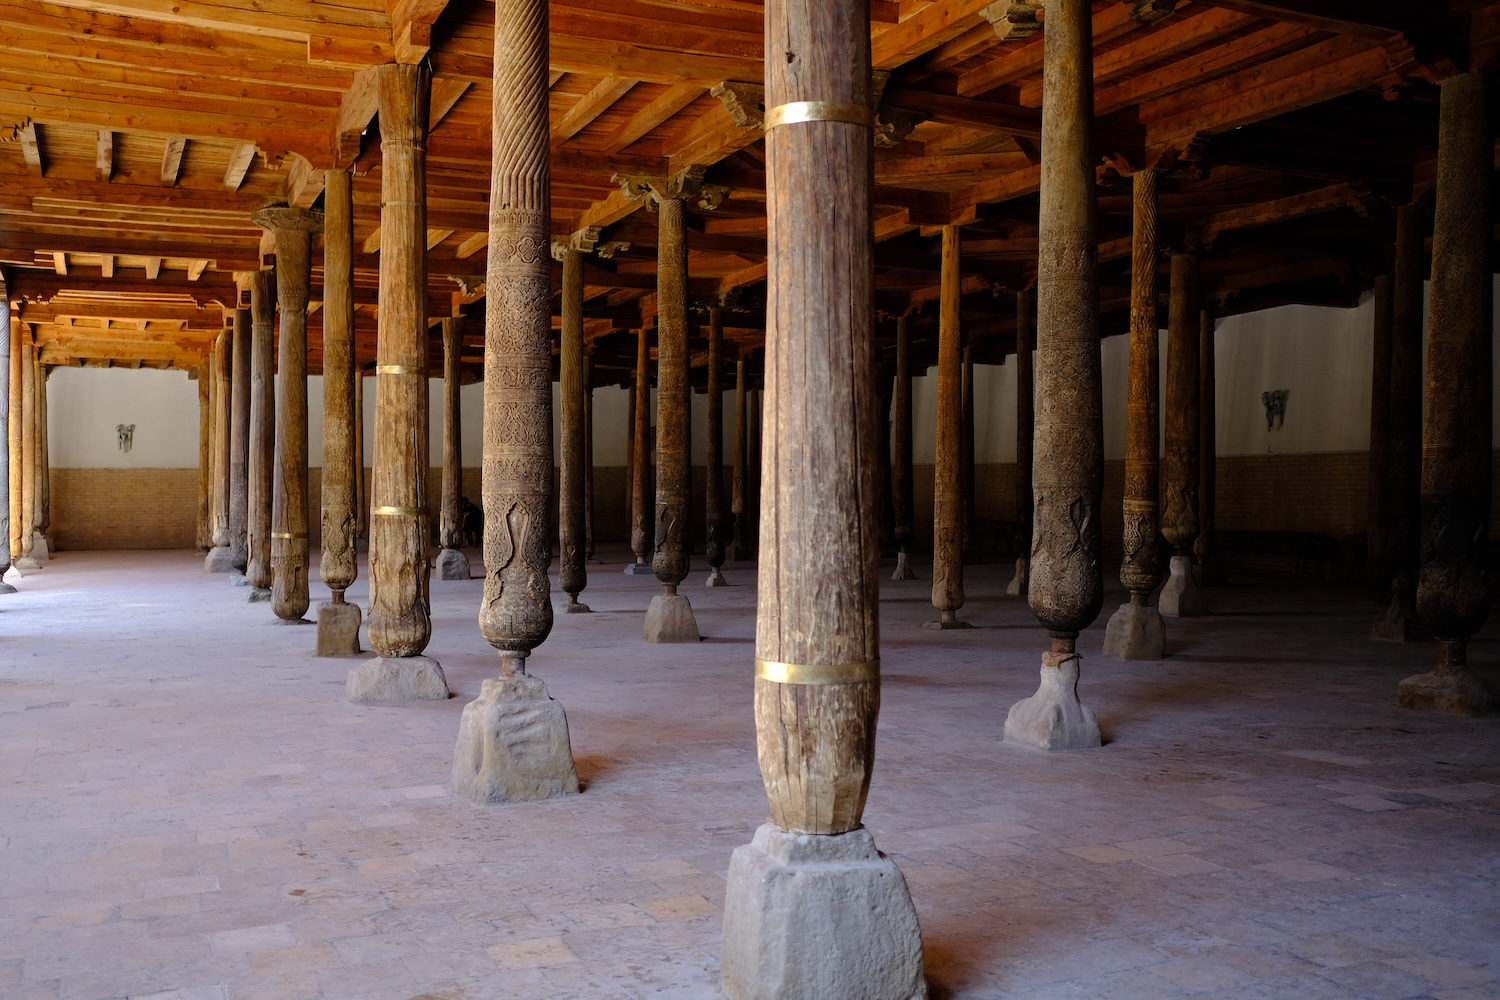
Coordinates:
(513, 745)
(238, 580)
(715, 578)
(219, 560)
(338, 629)
(25, 564)
(819, 916)
(1454, 691)
(948, 621)
(259, 595)
(670, 619)
(14, 572)
(903, 568)
(1022, 580)
(1136, 632)
(6, 588)
(39, 550)
(1399, 623)
(639, 569)
(1181, 597)
(574, 608)
(396, 679)
(453, 565)
(1054, 718)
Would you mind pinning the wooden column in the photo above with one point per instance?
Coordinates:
(361, 498)
(1136, 631)
(740, 548)
(669, 558)
(7, 491)
(24, 559)
(572, 530)
(44, 461)
(293, 229)
(220, 556)
(15, 438)
(513, 739)
(1452, 593)
(1025, 435)
(713, 486)
(1206, 558)
(205, 380)
(239, 444)
(588, 454)
(1404, 468)
(452, 564)
(1181, 597)
(947, 513)
(640, 450)
(1377, 522)
(262, 437)
(966, 498)
(901, 470)
(817, 687)
(1066, 589)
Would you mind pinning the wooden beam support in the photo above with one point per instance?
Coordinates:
(171, 160)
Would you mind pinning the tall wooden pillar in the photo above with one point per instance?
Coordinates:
(814, 871)
(1025, 435)
(452, 564)
(23, 559)
(219, 559)
(239, 444)
(361, 502)
(400, 620)
(262, 437)
(1181, 597)
(572, 531)
(740, 547)
(1452, 592)
(947, 501)
(205, 380)
(901, 470)
(1136, 631)
(513, 739)
(293, 229)
(1205, 556)
(44, 462)
(968, 512)
(640, 452)
(1377, 521)
(1066, 589)
(713, 486)
(338, 620)
(1403, 484)
(7, 490)
(588, 454)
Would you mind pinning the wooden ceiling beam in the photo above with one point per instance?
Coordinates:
(104, 158)
(32, 151)
(171, 160)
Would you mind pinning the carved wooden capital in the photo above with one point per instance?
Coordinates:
(745, 102)
(283, 217)
(684, 185)
(1151, 11)
(1013, 19)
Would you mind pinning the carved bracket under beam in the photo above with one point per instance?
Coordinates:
(684, 185)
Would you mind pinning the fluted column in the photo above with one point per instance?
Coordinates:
(338, 620)
(452, 564)
(239, 445)
(1066, 586)
(640, 457)
(400, 619)
(947, 513)
(219, 558)
(811, 907)
(1181, 597)
(901, 471)
(1136, 632)
(262, 438)
(713, 486)
(1025, 434)
(513, 740)
(1453, 597)
(572, 573)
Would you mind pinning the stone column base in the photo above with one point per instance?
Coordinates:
(39, 550)
(6, 588)
(574, 608)
(1399, 623)
(513, 745)
(1453, 691)
(1136, 632)
(1181, 597)
(392, 680)
(453, 565)
(237, 579)
(259, 595)
(1022, 580)
(639, 569)
(943, 624)
(1054, 718)
(903, 568)
(338, 629)
(219, 560)
(24, 564)
(670, 619)
(819, 916)
(715, 578)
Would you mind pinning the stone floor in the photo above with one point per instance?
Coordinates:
(190, 809)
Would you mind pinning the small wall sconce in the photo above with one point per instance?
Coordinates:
(126, 434)
(1275, 402)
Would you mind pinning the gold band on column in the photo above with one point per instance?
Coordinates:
(398, 511)
(817, 111)
(817, 673)
(289, 535)
(399, 370)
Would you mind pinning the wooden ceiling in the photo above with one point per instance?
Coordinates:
(137, 136)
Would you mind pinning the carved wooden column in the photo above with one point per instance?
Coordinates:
(811, 908)
(361, 506)
(205, 380)
(947, 513)
(239, 445)
(1377, 520)
(42, 548)
(1136, 632)
(1025, 434)
(1452, 592)
(400, 621)
(1181, 597)
(25, 539)
(1205, 557)
(7, 324)
(293, 229)
(219, 558)
(262, 438)
(740, 547)
(452, 564)
(338, 620)
(1066, 587)
(901, 471)
(968, 508)
(1403, 484)
(572, 531)
(713, 487)
(513, 740)
(640, 458)
(588, 454)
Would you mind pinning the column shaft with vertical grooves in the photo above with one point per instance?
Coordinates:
(669, 561)
(1141, 568)
(339, 563)
(239, 442)
(262, 437)
(947, 514)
